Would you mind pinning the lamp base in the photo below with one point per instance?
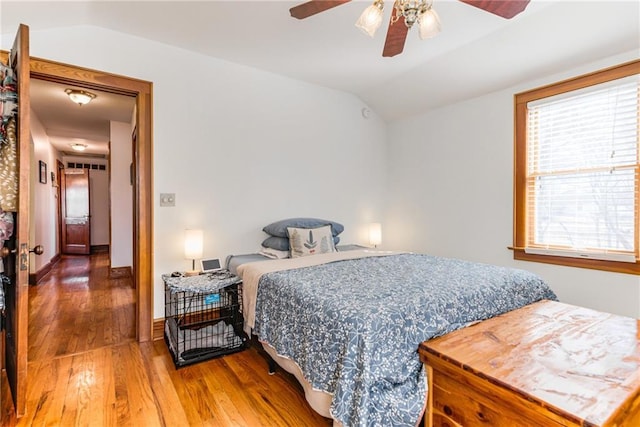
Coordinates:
(191, 273)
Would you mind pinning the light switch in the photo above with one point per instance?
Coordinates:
(167, 199)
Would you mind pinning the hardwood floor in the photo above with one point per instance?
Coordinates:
(76, 308)
(85, 367)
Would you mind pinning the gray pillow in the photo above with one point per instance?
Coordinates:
(279, 228)
(282, 243)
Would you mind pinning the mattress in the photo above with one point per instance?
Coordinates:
(234, 261)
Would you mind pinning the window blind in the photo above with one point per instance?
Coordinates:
(583, 173)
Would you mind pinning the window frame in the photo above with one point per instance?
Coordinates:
(520, 225)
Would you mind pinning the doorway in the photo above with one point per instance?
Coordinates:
(75, 220)
(142, 171)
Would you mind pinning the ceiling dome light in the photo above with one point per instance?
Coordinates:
(78, 147)
(80, 97)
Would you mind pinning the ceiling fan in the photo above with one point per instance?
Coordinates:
(411, 11)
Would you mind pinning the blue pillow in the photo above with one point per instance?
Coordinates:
(282, 243)
(279, 228)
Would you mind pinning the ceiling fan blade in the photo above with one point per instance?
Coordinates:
(312, 7)
(396, 36)
(505, 8)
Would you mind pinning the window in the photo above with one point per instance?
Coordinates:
(577, 171)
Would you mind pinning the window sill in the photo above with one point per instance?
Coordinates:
(594, 264)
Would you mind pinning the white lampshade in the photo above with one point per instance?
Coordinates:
(428, 24)
(193, 244)
(375, 234)
(371, 18)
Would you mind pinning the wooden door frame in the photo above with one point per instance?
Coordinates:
(43, 69)
(59, 170)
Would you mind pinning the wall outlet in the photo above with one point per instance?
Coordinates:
(167, 199)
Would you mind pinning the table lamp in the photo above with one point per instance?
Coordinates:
(193, 243)
(375, 234)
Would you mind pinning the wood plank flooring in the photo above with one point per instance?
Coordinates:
(85, 367)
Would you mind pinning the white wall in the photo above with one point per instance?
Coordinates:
(99, 206)
(44, 216)
(121, 195)
(239, 147)
(451, 193)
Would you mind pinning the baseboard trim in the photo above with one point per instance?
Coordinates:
(55, 259)
(99, 249)
(121, 273)
(34, 278)
(158, 329)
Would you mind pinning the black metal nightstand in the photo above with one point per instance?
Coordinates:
(203, 316)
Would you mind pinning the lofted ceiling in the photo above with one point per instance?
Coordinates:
(476, 52)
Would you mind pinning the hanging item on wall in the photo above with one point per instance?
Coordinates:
(43, 172)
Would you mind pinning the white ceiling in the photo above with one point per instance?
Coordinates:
(68, 123)
(476, 52)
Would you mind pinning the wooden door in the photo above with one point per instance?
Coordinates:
(17, 263)
(76, 225)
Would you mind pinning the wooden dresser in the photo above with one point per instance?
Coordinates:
(546, 364)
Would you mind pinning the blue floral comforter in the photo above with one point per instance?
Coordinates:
(353, 327)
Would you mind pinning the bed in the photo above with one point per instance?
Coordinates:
(348, 323)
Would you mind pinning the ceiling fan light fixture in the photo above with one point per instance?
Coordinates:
(429, 24)
(80, 97)
(78, 147)
(371, 18)
(410, 11)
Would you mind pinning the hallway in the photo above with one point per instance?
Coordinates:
(77, 308)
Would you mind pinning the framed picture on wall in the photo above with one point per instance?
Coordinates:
(43, 172)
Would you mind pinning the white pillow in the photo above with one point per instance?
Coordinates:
(310, 241)
(274, 253)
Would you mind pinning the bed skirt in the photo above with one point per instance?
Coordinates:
(320, 401)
